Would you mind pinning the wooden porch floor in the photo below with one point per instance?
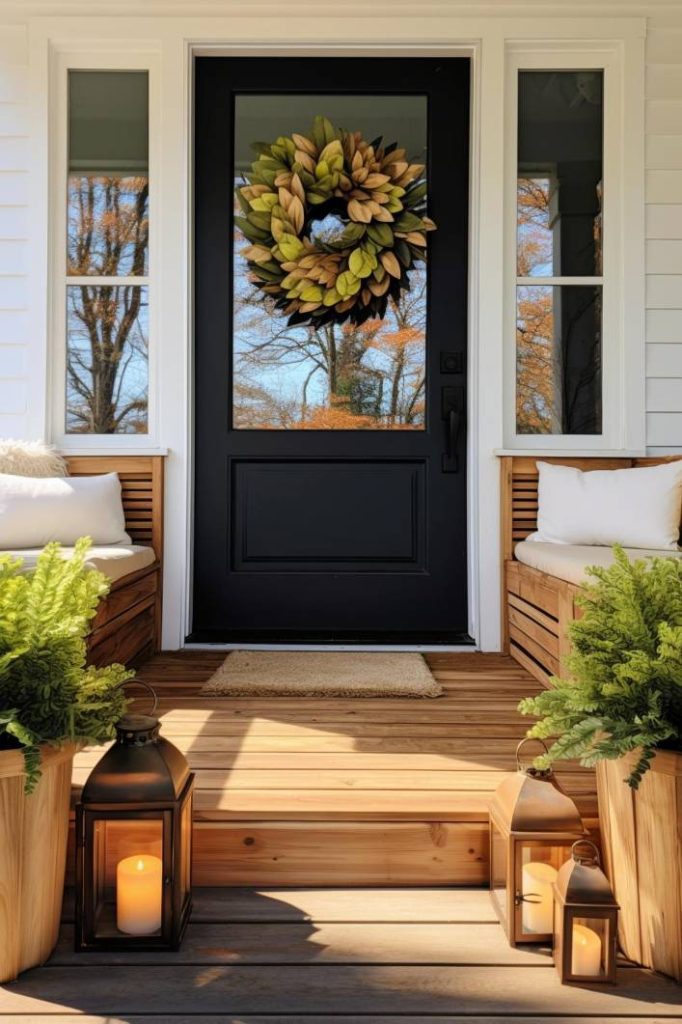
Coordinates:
(294, 791)
(340, 794)
(352, 956)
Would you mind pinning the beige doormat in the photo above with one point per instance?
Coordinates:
(322, 674)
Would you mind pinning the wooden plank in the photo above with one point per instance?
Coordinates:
(367, 805)
(546, 639)
(532, 666)
(301, 750)
(324, 989)
(201, 1018)
(216, 758)
(333, 853)
(250, 727)
(218, 777)
(387, 905)
(538, 653)
(326, 943)
(537, 614)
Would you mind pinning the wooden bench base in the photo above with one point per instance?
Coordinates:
(538, 611)
(127, 628)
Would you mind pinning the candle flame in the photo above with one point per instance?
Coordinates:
(140, 864)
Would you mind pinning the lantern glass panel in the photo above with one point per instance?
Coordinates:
(590, 939)
(127, 867)
(186, 847)
(537, 864)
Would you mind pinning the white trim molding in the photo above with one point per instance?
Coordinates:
(167, 45)
(623, 280)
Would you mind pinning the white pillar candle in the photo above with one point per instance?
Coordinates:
(139, 887)
(586, 951)
(537, 916)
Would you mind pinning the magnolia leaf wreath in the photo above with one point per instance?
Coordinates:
(335, 224)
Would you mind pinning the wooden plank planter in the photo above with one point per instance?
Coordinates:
(642, 842)
(32, 858)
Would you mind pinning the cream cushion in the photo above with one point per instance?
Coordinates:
(114, 560)
(570, 561)
(638, 508)
(36, 510)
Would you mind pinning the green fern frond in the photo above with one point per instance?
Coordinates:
(623, 690)
(47, 694)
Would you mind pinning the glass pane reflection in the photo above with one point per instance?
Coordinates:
(559, 183)
(558, 360)
(335, 376)
(106, 359)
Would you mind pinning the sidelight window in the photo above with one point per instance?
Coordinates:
(559, 252)
(107, 252)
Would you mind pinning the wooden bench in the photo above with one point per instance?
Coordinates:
(536, 607)
(127, 627)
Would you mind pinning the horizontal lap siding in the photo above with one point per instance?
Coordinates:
(14, 297)
(664, 235)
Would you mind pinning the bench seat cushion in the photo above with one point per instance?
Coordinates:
(570, 561)
(114, 560)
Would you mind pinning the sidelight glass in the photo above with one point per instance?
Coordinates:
(559, 238)
(107, 238)
(559, 182)
(325, 375)
(107, 359)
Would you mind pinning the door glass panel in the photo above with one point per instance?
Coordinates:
(558, 359)
(329, 278)
(559, 181)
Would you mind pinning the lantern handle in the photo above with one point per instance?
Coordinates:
(594, 859)
(146, 686)
(528, 739)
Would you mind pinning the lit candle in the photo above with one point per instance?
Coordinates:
(586, 951)
(138, 894)
(536, 884)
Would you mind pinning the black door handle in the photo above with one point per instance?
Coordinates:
(453, 413)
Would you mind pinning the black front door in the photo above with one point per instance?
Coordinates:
(330, 373)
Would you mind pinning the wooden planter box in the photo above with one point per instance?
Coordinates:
(642, 841)
(32, 858)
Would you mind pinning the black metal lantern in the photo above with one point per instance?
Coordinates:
(533, 825)
(585, 919)
(134, 843)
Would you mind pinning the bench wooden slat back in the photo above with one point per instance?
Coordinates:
(141, 479)
(520, 490)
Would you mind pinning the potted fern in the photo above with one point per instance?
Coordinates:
(50, 702)
(620, 708)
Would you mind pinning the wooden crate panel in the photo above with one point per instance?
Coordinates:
(532, 588)
(130, 591)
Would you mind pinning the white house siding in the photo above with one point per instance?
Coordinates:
(664, 233)
(14, 297)
(663, 256)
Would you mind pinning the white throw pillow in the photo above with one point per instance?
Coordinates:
(638, 508)
(35, 510)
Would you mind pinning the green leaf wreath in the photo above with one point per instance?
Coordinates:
(623, 692)
(335, 223)
(47, 694)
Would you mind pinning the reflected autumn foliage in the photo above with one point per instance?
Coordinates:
(333, 377)
(558, 328)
